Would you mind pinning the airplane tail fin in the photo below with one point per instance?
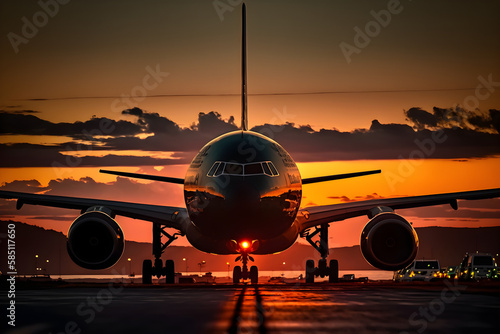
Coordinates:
(244, 120)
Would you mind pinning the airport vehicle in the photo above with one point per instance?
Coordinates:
(242, 195)
(420, 270)
(451, 272)
(478, 266)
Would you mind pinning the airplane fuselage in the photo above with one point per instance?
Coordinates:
(242, 186)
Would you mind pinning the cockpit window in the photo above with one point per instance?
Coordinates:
(219, 169)
(267, 170)
(254, 168)
(235, 169)
(273, 169)
(212, 170)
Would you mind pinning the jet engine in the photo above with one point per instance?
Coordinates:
(389, 242)
(95, 240)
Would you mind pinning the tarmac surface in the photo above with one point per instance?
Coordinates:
(352, 307)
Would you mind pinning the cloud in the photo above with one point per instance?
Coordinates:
(346, 199)
(454, 118)
(20, 123)
(462, 135)
(421, 118)
(33, 155)
(382, 141)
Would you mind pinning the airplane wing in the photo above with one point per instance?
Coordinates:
(165, 215)
(318, 215)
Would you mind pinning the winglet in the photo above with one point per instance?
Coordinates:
(244, 120)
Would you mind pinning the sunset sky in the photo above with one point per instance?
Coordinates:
(142, 86)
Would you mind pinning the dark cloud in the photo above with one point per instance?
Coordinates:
(212, 122)
(346, 199)
(153, 122)
(421, 118)
(12, 123)
(454, 118)
(30, 186)
(383, 141)
(32, 155)
(343, 199)
(134, 111)
(443, 134)
(495, 119)
(20, 111)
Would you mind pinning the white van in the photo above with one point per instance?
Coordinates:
(478, 266)
(419, 270)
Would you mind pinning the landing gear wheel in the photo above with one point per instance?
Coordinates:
(334, 271)
(147, 271)
(169, 272)
(254, 274)
(236, 274)
(310, 271)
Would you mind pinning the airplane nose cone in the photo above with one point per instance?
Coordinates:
(245, 198)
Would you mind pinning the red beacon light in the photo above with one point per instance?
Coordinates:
(245, 244)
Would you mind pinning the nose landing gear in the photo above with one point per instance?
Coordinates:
(242, 272)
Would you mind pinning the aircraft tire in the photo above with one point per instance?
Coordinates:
(310, 271)
(147, 271)
(236, 274)
(169, 272)
(334, 271)
(254, 274)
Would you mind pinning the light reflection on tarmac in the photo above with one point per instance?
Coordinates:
(321, 308)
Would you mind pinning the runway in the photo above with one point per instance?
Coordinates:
(441, 307)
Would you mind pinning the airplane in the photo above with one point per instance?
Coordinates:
(243, 193)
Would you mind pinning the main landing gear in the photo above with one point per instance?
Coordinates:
(322, 270)
(148, 269)
(242, 272)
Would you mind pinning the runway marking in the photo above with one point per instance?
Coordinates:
(233, 329)
(246, 318)
(260, 311)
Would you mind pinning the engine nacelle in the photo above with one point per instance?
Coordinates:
(95, 240)
(389, 242)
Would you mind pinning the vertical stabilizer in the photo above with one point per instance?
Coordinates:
(244, 119)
